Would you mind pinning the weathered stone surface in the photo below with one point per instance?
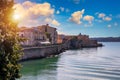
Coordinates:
(42, 52)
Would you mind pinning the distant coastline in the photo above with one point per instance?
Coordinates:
(107, 39)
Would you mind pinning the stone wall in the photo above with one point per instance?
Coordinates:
(42, 52)
(51, 50)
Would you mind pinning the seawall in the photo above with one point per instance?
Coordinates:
(52, 50)
(42, 52)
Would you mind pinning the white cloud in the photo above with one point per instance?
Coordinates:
(77, 16)
(48, 20)
(57, 12)
(56, 23)
(96, 13)
(88, 18)
(101, 15)
(104, 17)
(29, 23)
(98, 20)
(62, 9)
(67, 10)
(109, 26)
(115, 24)
(107, 18)
(28, 4)
(33, 13)
(52, 21)
(88, 25)
(53, 6)
(60, 32)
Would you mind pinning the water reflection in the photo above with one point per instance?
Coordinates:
(39, 69)
(84, 64)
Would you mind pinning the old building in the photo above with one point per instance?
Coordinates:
(38, 35)
(28, 35)
(84, 38)
(50, 32)
(60, 38)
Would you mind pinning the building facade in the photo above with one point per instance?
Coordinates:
(49, 32)
(36, 35)
(28, 35)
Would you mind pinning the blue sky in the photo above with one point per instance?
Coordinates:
(97, 18)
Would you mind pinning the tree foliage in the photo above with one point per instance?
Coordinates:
(10, 50)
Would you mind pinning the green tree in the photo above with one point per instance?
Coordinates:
(10, 50)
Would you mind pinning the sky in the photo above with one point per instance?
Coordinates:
(96, 18)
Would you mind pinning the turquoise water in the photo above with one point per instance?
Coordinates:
(101, 63)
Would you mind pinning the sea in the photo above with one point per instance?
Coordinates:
(102, 63)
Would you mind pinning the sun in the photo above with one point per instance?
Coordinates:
(16, 17)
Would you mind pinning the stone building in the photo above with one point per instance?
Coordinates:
(49, 32)
(83, 38)
(38, 35)
(78, 41)
(28, 34)
(60, 38)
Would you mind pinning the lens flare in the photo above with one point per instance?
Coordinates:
(16, 17)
